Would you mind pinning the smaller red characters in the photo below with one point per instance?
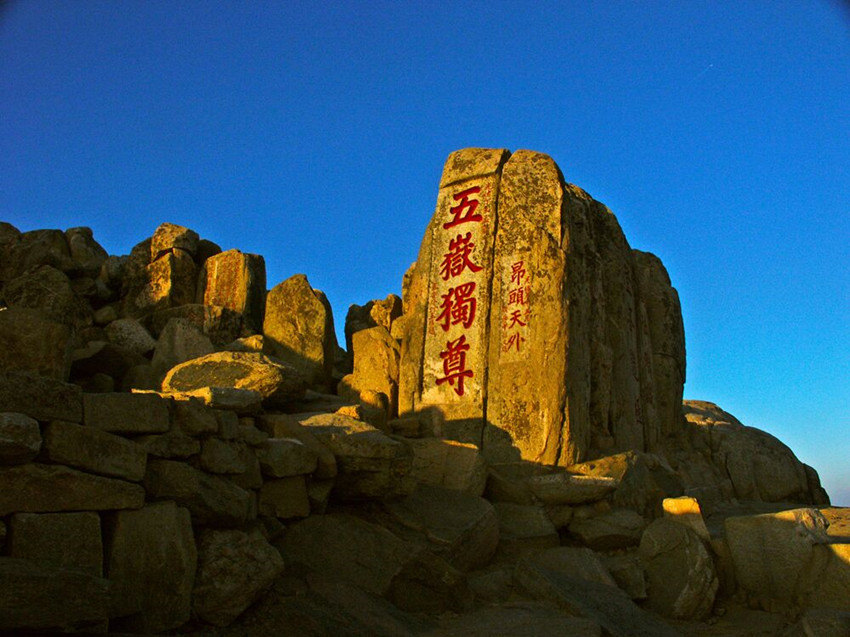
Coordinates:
(514, 341)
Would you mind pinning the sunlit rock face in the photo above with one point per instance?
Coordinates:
(531, 323)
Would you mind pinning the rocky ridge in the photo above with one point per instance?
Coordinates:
(504, 448)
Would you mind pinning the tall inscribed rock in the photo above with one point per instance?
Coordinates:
(531, 324)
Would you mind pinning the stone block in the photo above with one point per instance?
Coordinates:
(446, 463)
(616, 529)
(126, 413)
(34, 343)
(220, 456)
(210, 499)
(20, 438)
(237, 281)
(63, 540)
(566, 488)
(40, 397)
(94, 450)
(283, 457)
(285, 498)
(151, 561)
(170, 236)
(234, 568)
(34, 488)
(40, 597)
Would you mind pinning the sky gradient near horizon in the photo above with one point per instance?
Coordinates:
(315, 133)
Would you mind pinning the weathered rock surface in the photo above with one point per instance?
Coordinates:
(94, 450)
(523, 528)
(220, 324)
(681, 577)
(285, 498)
(283, 457)
(608, 606)
(276, 382)
(370, 463)
(34, 596)
(151, 562)
(131, 335)
(20, 438)
(48, 291)
(449, 464)
(38, 487)
(376, 357)
(236, 281)
(40, 397)
(298, 329)
(169, 237)
(210, 499)
(566, 488)
(616, 529)
(461, 528)
(285, 426)
(375, 313)
(686, 510)
(87, 255)
(234, 567)
(126, 413)
(787, 560)
(33, 342)
(63, 540)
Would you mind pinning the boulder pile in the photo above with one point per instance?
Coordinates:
(503, 450)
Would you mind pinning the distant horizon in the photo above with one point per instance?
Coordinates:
(315, 136)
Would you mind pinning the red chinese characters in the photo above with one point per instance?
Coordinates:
(464, 212)
(454, 364)
(458, 306)
(457, 259)
(459, 302)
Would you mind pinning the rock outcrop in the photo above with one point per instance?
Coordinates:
(503, 450)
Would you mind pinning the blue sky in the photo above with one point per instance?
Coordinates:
(314, 134)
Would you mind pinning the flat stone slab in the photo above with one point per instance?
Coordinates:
(566, 488)
(143, 413)
(35, 488)
(94, 450)
(40, 397)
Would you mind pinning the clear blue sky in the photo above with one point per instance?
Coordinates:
(314, 134)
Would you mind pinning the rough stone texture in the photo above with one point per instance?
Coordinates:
(276, 382)
(131, 335)
(220, 456)
(756, 465)
(170, 236)
(685, 510)
(63, 540)
(326, 543)
(610, 607)
(461, 528)
(237, 281)
(94, 450)
(579, 563)
(644, 479)
(780, 557)
(298, 329)
(49, 291)
(32, 342)
(39, 397)
(87, 255)
(617, 529)
(517, 619)
(375, 313)
(283, 457)
(523, 528)
(167, 282)
(370, 463)
(173, 444)
(20, 438)
(628, 571)
(234, 568)
(565, 288)
(32, 249)
(285, 498)
(284, 426)
(240, 401)
(102, 357)
(450, 464)
(565, 488)
(210, 499)
(466, 203)
(220, 324)
(126, 413)
(376, 356)
(681, 578)
(34, 596)
(34, 488)
(193, 419)
(151, 560)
